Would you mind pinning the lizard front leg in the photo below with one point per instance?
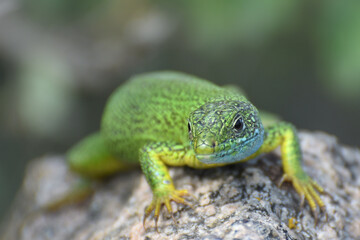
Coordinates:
(284, 135)
(153, 158)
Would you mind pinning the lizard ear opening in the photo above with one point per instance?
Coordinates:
(189, 130)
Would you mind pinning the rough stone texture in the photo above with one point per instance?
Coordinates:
(240, 201)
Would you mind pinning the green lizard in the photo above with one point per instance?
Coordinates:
(173, 119)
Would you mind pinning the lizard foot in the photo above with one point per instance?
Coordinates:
(161, 198)
(307, 189)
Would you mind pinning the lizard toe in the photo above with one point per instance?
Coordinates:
(160, 199)
(308, 189)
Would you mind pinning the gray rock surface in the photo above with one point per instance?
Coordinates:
(235, 202)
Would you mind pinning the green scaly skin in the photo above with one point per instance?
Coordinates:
(173, 119)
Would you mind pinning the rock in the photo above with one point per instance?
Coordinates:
(239, 201)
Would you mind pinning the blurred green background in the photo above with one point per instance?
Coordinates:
(60, 60)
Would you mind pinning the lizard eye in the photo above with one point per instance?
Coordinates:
(238, 124)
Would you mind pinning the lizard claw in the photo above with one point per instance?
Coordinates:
(160, 199)
(307, 189)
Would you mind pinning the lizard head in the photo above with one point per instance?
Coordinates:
(225, 131)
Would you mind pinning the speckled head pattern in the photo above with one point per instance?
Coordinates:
(225, 131)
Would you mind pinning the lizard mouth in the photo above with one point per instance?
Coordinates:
(213, 155)
(238, 150)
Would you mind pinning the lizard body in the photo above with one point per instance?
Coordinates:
(172, 119)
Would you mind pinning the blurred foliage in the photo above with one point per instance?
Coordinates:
(45, 95)
(216, 27)
(58, 11)
(339, 48)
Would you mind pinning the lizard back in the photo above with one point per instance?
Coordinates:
(155, 108)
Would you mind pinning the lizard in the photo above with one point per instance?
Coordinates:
(168, 118)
